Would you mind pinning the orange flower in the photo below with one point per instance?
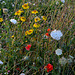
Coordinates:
(44, 18)
(30, 31)
(23, 19)
(1, 19)
(37, 19)
(26, 33)
(18, 12)
(47, 34)
(36, 25)
(48, 29)
(34, 12)
(25, 6)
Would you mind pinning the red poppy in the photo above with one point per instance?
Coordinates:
(48, 29)
(47, 34)
(18, 69)
(49, 67)
(28, 47)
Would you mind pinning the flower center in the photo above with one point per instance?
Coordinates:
(29, 31)
(36, 18)
(17, 11)
(34, 10)
(25, 5)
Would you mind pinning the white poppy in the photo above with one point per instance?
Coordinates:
(56, 34)
(13, 21)
(1, 62)
(22, 74)
(58, 51)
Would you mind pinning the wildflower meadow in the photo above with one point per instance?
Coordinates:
(37, 37)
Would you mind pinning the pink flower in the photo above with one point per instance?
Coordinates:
(8, 71)
(28, 47)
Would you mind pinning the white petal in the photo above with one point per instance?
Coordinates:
(22, 74)
(1, 62)
(13, 21)
(56, 34)
(58, 51)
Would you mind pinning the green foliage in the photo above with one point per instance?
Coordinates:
(13, 40)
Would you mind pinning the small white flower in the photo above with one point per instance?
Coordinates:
(13, 21)
(62, 61)
(13, 5)
(3, 2)
(57, 2)
(33, 63)
(34, 4)
(58, 51)
(63, 1)
(56, 34)
(1, 62)
(6, 73)
(22, 74)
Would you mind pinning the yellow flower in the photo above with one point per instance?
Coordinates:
(1, 19)
(0, 9)
(21, 10)
(37, 19)
(44, 18)
(23, 19)
(26, 41)
(34, 12)
(25, 6)
(36, 25)
(18, 12)
(12, 36)
(26, 33)
(30, 31)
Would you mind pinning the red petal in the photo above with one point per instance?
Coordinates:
(48, 30)
(27, 48)
(47, 70)
(47, 34)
